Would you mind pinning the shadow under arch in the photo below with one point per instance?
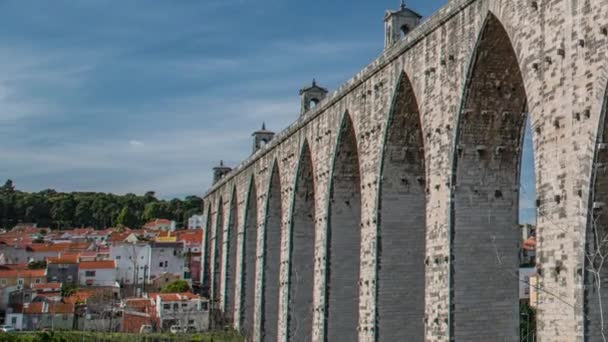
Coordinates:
(485, 235)
(231, 258)
(302, 249)
(344, 238)
(248, 270)
(218, 246)
(402, 222)
(206, 252)
(272, 257)
(596, 239)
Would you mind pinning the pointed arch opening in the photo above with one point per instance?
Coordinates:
(402, 223)
(596, 270)
(344, 239)
(272, 258)
(249, 261)
(206, 249)
(231, 257)
(302, 248)
(218, 246)
(485, 201)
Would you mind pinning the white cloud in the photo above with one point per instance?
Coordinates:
(136, 143)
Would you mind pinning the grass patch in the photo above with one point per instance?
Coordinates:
(83, 336)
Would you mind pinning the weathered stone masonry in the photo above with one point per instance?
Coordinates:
(431, 133)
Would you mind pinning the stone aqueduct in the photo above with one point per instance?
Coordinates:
(389, 211)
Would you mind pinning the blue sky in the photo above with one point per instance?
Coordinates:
(137, 95)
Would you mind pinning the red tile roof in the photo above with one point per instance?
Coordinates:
(57, 247)
(33, 308)
(174, 297)
(54, 308)
(42, 286)
(97, 265)
(22, 273)
(63, 259)
(190, 237)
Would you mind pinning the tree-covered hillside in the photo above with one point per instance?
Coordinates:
(59, 210)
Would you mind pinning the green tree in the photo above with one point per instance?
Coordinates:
(177, 286)
(37, 265)
(126, 218)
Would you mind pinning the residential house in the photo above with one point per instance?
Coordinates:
(181, 309)
(102, 310)
(132, 262)
(97, 273)
(63, 269)
(45, 315)
(14, 318)
(192, 240)
(16, 254)
(161, 224)
(167, 257)
(138, 312)
(195, 222)
(17, 279)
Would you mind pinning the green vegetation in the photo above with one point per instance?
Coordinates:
(37, 265)
(177, 286)
(60, 210)
(80, 336)
(527, 322)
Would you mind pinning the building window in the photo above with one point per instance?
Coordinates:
(14, 320)
(118, 257)
(166, 306)
(204, 306)
(37, 281)
(3, 282)
(186, 275)
(19, 281)
(184, 305)
(190, 321)
(160, 264)
(166, 264)
(89, 273)
(174, 252)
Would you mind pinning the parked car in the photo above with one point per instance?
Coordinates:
(7, 328)
(175, 329)
(146, 329)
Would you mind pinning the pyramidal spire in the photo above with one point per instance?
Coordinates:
(263, 126)
(403, 6)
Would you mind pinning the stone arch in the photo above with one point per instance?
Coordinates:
(485, 235)
(402, 223)
(596, 273)
(272, 257)
(344, 238)
(231, 257)
(302, 249)
(250, 238)
(218, 248)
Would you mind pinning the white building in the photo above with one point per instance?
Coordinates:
(167, 257)
(195, 222)
(97, 273)
(185, 310)
(132, 262)
(14, 319)
(524, 281)
(161, 224)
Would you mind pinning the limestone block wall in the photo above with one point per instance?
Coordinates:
(435, 142)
